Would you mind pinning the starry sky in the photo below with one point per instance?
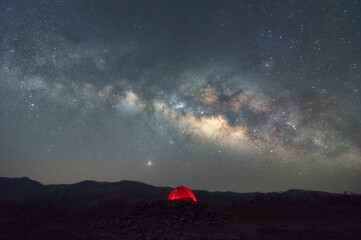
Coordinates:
(216, 95)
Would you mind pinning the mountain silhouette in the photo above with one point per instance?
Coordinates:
(90, 193)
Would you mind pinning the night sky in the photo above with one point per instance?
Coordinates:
(214, 95)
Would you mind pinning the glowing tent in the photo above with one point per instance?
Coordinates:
(182, 194)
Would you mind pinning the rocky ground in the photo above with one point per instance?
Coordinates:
(174, 220)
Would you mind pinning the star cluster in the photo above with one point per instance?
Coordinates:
(216, 95)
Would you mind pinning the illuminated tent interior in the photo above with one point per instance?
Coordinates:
(182, 194)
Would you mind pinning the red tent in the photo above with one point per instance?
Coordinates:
(182, 194)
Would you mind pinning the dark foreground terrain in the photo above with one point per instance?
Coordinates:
(131, 210)
(175, 220)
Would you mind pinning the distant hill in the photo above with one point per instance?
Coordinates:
(90, 193)
(85, 193)
(19, 188)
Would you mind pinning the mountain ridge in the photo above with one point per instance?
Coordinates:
(291, 190)
(88, 193)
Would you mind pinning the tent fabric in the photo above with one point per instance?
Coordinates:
(182, 194)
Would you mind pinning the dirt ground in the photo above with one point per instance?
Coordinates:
(174, 220)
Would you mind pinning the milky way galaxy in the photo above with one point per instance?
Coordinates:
(215, 95)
